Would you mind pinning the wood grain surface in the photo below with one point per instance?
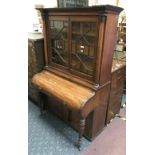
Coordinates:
(71, 94)
(76, 89)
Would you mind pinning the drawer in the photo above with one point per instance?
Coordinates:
(116, 106)
(116, 95)
(118, 74)
(111, 113)
(118, 89)
(113, 109)
(117, 82)
(115, 101)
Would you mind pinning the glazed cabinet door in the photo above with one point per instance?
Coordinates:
(58, 39)
(84, 36)
(72, 44)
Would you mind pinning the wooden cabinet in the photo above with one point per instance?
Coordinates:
(118, 77)
(93, 127)
(75, 40)
(35, 62)
(79, 45)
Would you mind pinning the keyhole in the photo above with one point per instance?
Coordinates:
(82, 49)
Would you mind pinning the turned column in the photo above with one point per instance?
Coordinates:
(42, 102)
(81, 131)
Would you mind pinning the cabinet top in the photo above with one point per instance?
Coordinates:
(96, 9)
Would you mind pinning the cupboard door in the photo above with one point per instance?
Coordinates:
(58, 41)
(83, 44)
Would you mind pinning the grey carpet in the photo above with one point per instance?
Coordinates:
(48, 135)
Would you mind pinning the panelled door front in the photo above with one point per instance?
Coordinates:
(83, 44)
(73, 44)
(58, 41)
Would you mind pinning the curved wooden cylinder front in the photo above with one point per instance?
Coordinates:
(74, 96)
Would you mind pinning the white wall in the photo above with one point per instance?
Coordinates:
(34, 18)
(53, 3)
(122, 3)
(47, 3)
(110, 2)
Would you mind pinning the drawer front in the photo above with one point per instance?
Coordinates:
(118, 78)
(115, 96)
(120, 73)
(113, 109)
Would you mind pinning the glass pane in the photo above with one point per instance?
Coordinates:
(83, 47)
(59, 42)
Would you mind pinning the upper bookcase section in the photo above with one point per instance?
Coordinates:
(91, 9)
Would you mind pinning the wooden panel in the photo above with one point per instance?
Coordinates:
(108, 48)
(99, 50)
(58, 108)
(115, 95)
(70, 117)
(117, 84)
(58, 18)
(71, 94)
(35, 63)
(84, 19)
(99, 120)
(116, 92)
(120, 73)
(113, 109)
(118, 78)
(74, 78)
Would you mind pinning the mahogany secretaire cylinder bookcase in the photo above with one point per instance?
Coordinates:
(78, 51)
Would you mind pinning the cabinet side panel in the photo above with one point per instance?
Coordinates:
(99, 53)
(117, 84)
(108, 48)
(100, 98)
(101, 110)
(35, 65)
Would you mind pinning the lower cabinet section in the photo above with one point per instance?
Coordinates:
(116, 92)
(113, 109)
(95, 121)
